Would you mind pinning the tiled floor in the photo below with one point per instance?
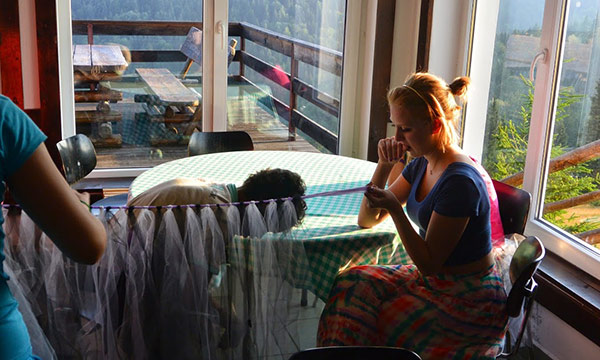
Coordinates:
(308, 319)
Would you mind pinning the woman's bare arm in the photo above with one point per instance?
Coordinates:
(44, 194)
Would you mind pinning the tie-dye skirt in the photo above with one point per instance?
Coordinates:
(438, 317)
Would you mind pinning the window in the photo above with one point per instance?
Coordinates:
(298, 40)
(142, 84)
(137, 75)
(542, 128)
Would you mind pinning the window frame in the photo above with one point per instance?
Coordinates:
(547, 78)
(214, 91)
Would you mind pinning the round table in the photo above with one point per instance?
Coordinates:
(330, 234)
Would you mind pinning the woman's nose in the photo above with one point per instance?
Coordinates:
(399, 136)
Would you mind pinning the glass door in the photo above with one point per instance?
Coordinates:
(137, 72)
(284, 67)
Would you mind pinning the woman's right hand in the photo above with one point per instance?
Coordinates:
(390, 151)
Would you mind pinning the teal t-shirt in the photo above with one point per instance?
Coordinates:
(19, 138)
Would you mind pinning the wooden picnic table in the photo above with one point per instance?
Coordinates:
(168, 88)
(172, 103)
(94, 60)
(92, 64)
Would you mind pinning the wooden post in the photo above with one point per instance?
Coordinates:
(90, 38)
(49, 115)
(90, 34)
(293, 75)
(382, 65)
(243, 50)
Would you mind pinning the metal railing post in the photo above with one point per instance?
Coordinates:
(293, 75)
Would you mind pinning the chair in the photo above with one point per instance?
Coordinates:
(219, 141)
(513, 204)
(523, 266)
(355, 353)
(79, 159)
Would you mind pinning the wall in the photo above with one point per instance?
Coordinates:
(558, 340)
(29, 58)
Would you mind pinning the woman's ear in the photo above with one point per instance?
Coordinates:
(436, 126)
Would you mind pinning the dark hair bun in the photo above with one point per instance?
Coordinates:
(460, 85)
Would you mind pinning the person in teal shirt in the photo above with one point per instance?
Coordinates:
(63, 214)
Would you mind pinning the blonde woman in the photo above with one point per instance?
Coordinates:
(451, 302)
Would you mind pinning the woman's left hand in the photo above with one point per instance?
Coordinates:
(381, 199)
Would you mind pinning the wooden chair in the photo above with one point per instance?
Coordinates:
(523, 266)
(355, 353)
(192, 48)
(219, 141)
(78, 156)
(513, 204)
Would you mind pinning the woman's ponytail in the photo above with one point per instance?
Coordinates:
(459, 86)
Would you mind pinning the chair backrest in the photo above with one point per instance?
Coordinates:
(192, 46)
(219, 141)
(524, 264)
(513, 204)
(78, 157)
(355, 353)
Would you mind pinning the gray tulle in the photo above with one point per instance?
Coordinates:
(177, 283)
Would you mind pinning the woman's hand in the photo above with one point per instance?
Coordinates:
(390, 151)
(381, 199)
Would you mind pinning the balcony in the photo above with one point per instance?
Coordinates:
(129, 131)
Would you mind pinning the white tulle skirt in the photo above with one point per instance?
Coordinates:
(163, 289)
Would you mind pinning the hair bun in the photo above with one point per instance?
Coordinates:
(459, 86)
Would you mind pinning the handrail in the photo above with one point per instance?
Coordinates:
(299, 51)
(574, 157)
(579, 155)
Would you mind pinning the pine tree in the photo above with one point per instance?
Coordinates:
(593, 128)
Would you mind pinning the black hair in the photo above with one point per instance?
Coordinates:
(275, 184)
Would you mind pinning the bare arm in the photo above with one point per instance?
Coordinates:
(389, 169)
(44, 194)
(443, 232)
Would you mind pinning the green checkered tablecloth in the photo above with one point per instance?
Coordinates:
(332, 239)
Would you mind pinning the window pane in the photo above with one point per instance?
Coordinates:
(133, 96)
(571, 193)
(511, 91)
(260, 93)
(572, 200)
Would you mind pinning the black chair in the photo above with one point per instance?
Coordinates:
(355, 353)
(523, 266)
(78, 157)
(514, 204)
(219, 141)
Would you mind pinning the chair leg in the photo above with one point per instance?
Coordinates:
(304, 299)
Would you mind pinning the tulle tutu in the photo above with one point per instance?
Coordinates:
(163, 289)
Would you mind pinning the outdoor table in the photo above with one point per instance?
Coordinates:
(91, 65)
(329, 232)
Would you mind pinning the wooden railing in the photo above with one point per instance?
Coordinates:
(574, 157)
(296, 50)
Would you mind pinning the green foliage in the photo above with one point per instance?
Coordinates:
(509, 142)
(593, 130)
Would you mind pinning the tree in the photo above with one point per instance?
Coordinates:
(593, 128)
(510, 149)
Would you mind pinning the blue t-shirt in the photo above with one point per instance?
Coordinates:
(19, 138)
(459, 192)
